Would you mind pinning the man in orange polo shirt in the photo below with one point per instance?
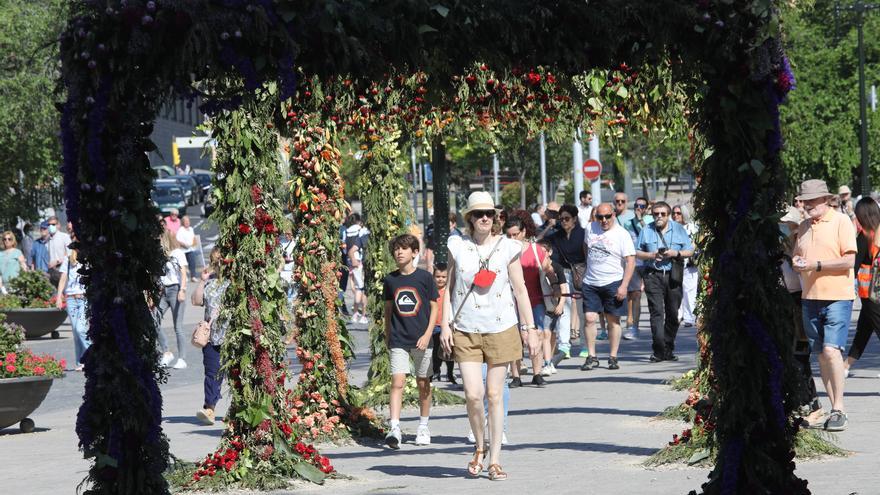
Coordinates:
(824, 257)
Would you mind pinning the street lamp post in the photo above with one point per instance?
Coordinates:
(860, 8)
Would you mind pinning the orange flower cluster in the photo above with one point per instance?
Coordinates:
(328, 290)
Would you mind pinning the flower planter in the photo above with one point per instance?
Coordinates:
(37, 321)
(19, 397)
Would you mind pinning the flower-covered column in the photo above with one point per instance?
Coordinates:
(321, 404)
(258, 448)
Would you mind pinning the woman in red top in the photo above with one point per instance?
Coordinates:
(534, 260)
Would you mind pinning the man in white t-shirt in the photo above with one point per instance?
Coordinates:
(585, 209)
(610, 255)
(186, 236)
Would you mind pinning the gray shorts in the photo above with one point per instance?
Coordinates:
(421, 360)
(635, 283)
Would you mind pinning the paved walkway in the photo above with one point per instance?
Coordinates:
(586, 432)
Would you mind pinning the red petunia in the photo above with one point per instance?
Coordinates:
(244, 228)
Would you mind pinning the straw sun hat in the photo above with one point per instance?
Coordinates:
(479, 200)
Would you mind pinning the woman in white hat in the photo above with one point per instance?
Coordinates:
(485, 302)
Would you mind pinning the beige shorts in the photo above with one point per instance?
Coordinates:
(357, 276)
(491, 348)
(400, 363)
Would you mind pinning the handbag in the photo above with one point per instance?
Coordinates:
(874, 274)
(676, 272)
(201, 334)
(577, 270)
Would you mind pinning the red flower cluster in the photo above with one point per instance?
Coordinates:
(256, 194)
(684, 438)
(244, 228)
(263, 222)
(309, 453)
(219, 462)
(533, 78)
(26, 363)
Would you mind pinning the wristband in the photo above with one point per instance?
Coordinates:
(818, 266)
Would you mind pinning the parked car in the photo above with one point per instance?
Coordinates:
(168, 195)
(163, 171)
(203, 177)
(190, 182)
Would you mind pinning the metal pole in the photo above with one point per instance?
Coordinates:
(577, 162)
(543, 171)
(873, 98)
(596, 186)
(415, 181)
(495, 171)
(425, 219)
(863, 104)
(441, 201)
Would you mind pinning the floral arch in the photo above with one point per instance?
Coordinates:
(287, 79)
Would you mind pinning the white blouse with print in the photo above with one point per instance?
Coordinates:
(490, 310)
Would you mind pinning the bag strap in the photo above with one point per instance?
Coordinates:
(483, 265)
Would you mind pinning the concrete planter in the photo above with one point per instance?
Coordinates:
(37, 321)
(19, 397)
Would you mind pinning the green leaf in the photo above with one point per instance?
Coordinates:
(440, 9)
(281, 444)
(622, 92)
(698, 456)
(757, 166)
(424, 28)
(310, 472)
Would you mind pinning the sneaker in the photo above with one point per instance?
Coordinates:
(393, 438)
(504, 438)
(547, 370)
(655, 358)
(523, 370)
(590, 363)
(206, 416)
(671, 357)
(516, 382)
(836, 421)
(539, 381)
(180, 364)
(603, 335)
(423, 435)
(631, 334)
(470, 437)
(356, 317)
(553, 368)
(365, 319)
(612, 363)
(166, 359)
(584, 353)
(558, 357)
(846, 373)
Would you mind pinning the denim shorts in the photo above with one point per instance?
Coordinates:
(603, 299)
(538, 313)
(826, 323)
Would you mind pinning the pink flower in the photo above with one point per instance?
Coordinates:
(10, 357)
(10, 368)
(39, 370)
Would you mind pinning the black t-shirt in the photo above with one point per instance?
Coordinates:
(410, 297)
(568, 249)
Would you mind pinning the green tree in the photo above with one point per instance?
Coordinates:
(820, 122)
(29, 148)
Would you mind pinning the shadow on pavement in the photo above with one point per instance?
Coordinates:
(468, 450)
(421, 471)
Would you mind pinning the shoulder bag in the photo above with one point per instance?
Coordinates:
(676, 272)
(577, 269)
(202, 333)
(874, 274)
(550, 301)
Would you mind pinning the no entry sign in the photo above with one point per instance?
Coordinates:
(592, 169)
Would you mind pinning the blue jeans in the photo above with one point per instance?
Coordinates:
(169, 301)
(826, 323)
(76, 310)
(505, 397)
(213, 377)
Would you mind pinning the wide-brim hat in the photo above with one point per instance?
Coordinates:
(844, 190)
(479, 200)
(813, 189)
(793, 215)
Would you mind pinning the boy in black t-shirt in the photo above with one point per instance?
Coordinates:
(410, 312)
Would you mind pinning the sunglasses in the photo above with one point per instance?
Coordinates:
(620, 201)
(604, 217)
(641, 206)
(477, 214)
(676, 213)
(660, 213)
(565, 218)
(7, 238)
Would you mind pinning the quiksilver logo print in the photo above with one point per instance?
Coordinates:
(407, 301)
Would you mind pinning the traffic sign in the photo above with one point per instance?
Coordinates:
(592, 169)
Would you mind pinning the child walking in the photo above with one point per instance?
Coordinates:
(410, 313)
(440, 276)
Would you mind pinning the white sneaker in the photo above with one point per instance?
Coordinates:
(504, 438)
(180, 364)
(355, 317)
(470, 437)
(846, 373)
(423, 435)
(393, 438)
(631, 334)
(166, 359)
(365, 320)
(553, 368)
(547, 369)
